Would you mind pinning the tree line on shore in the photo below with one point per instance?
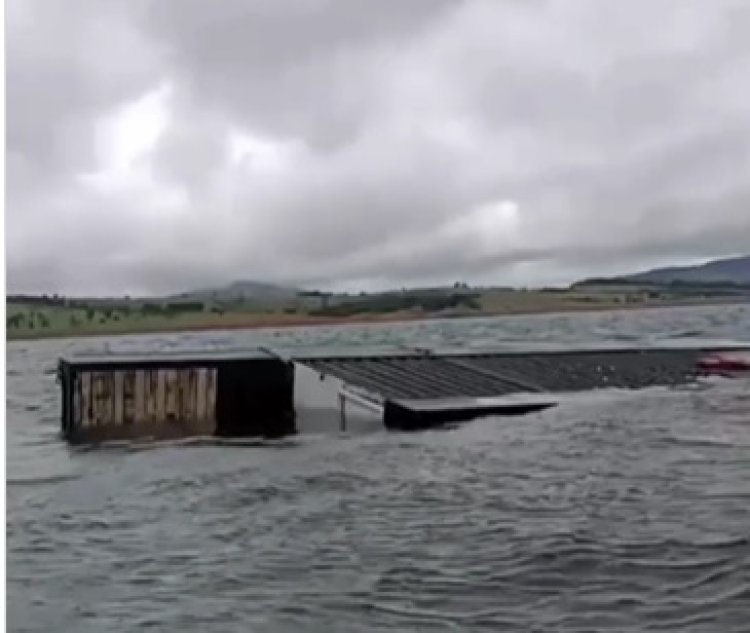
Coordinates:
(39, 312)
(43, 311)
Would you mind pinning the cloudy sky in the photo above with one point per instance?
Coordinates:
(158, 145)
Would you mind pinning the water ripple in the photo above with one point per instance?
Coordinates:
(614, 512)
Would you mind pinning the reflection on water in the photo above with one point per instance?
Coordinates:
(615, 511)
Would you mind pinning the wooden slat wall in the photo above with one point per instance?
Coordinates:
(102, 394)
(118, 398)
(140, 396)
(185, 395)
(211, 383)
(151, 395)
(200, 393)
(77, 401)
(96, 399)
(126, 397)
(170, 394)
(86, 404)
(92, 411)
(160, 396)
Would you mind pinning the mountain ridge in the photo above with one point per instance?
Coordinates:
(729, 270)
(240, 289)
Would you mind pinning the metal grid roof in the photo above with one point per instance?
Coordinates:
(483, 375)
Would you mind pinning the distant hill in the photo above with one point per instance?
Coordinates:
(241, 290)
(734, 270)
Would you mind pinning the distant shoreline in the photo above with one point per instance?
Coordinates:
(279, 321)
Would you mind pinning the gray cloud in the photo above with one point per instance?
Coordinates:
(374, 143)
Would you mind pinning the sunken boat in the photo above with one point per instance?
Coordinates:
(259, 393)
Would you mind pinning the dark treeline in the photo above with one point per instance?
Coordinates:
(39, 300)
(172, 307)
(58, 301)
(125, 305)
(395, 302)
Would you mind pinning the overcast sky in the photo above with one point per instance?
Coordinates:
(160, 145)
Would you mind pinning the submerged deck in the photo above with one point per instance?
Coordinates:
(482, 374)
(425, 388)
(252, 392)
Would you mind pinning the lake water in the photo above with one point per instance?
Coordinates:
(615, 512)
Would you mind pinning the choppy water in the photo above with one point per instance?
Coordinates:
(617, 511)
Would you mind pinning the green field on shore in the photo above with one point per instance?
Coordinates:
(45, 317)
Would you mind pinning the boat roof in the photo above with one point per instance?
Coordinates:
(316, 355)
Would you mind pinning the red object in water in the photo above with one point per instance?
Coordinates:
(724, 364)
